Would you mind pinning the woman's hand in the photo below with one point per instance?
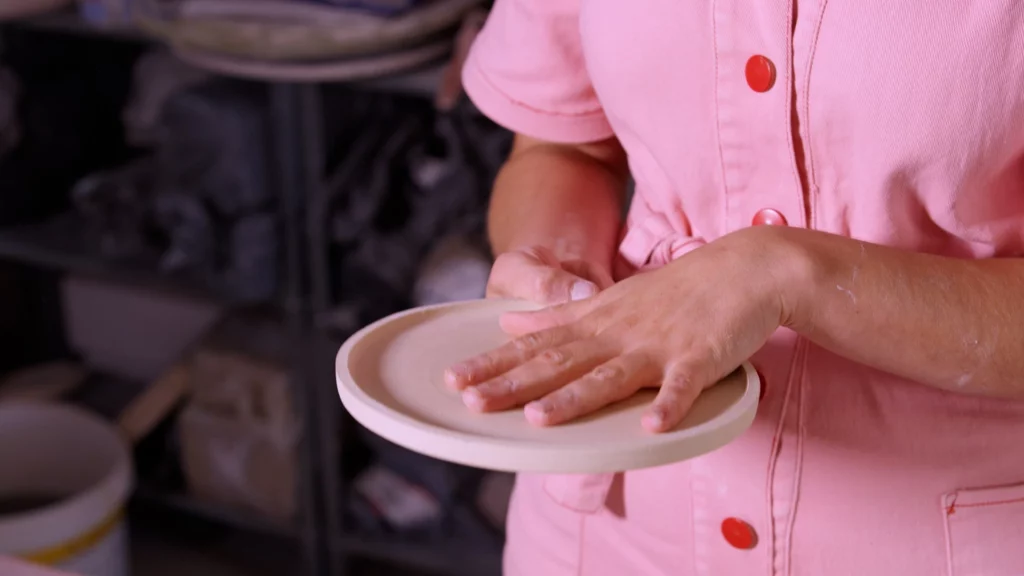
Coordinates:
(537, 275)
(681, 328)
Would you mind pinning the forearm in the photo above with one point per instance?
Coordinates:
(568, 199)
(951, 323)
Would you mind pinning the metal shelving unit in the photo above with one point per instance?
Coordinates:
(441, 559)
(68, 22)
(62, 244)
(108, 396)
(328, 547)
(220, 514)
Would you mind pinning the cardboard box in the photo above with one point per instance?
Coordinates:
(240, 431)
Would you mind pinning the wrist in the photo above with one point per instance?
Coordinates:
(792, 266)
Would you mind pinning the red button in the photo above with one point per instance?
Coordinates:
(769, 217)
(760, 73)
(738, 533)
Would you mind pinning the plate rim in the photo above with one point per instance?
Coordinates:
(450, 445)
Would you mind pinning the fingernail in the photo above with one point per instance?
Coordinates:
(654, 420)
(581, 290)
(472, 398)
(455, 375)
(537, 412)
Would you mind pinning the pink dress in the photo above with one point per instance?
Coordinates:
(897, 122)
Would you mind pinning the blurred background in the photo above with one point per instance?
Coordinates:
(199, 201)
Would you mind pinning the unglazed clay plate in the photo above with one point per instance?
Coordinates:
(390, 378)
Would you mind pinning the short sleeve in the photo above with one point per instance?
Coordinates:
(526, 72)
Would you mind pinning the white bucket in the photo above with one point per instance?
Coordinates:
(81, 465)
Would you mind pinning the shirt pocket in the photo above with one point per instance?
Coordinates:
(583, 493)
(985, 531)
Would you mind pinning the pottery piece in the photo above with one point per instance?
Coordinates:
(344, 70)
(390, 378)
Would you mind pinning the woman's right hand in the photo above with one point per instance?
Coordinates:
(536, 274)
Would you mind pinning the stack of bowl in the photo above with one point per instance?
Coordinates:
(292, 40)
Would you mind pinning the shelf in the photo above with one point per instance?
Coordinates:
(69, 22)
(161, 545)
(107, 396)
(423, 81)
(420, 81)
(62, 244)
(219, 513)
(444, 558)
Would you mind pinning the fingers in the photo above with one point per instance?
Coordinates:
(532, 275)
(520, 323)
(504, 358)
(679, 390)
(610, 382)
(545, 373)
(589, 271)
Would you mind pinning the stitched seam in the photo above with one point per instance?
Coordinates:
(579, 561)
(992, 503)
(949, 536)
(790, 85)
(644, 182)
(544, 487)
(693, 524)
(718, 118)
(812, 185)
(798, 468)
(598, 111)
(774, 456)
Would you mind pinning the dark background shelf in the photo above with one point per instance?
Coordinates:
(64, 244)
(318, 543)
(451, 558)
(158, 480)
(68, 22)
(221, 514)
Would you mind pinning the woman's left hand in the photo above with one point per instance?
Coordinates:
(681, 328)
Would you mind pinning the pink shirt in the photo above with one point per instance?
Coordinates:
(893, 121)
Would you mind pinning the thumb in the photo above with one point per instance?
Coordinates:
(556, 289)
(589, 271)
(527, 278)
(557, 286)
(557, 283)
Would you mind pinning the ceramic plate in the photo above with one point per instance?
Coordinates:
(390, 378)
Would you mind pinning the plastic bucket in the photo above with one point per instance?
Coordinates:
(65, 476)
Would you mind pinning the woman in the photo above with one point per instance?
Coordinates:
(834, 190)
